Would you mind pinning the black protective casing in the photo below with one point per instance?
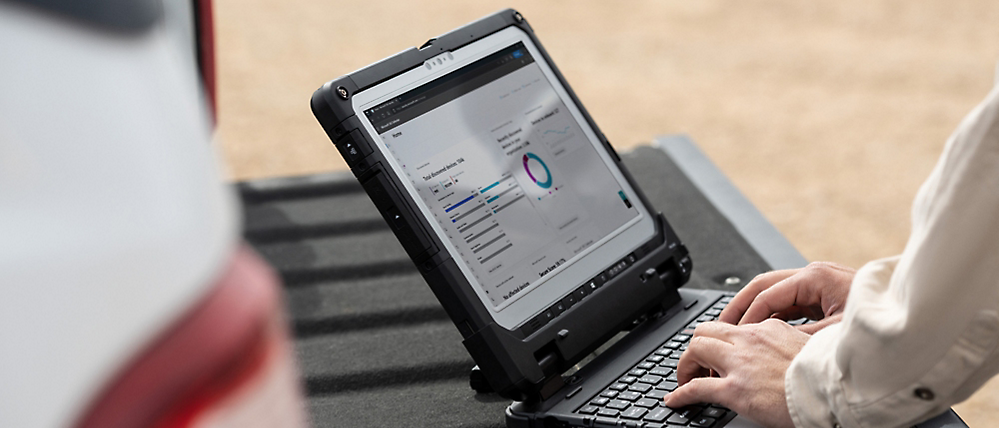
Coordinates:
(517, 367)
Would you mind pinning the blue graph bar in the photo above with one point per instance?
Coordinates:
(458, 204)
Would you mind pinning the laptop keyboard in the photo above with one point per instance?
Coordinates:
(636, 397)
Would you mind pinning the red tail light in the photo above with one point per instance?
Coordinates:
(227, 363)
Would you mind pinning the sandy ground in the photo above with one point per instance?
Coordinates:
(828, 115)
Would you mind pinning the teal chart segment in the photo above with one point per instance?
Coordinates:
(542, 184)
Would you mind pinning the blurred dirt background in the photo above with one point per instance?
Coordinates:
(827, 115)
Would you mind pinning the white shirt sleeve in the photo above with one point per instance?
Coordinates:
(920, 330)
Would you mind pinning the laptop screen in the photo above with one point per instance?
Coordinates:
(513, 179)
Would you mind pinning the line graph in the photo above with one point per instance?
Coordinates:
(553, 131)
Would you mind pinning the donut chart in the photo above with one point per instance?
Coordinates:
(542, 184)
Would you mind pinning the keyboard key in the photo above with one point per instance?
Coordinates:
(672, 344)
(610, 393)
(664, 352)
(628, 379)
(798, 321)
(610, 413)
(681, 338)
(670, 363)
(651, 379)
(666, 385)
(689, 411)
(675, 355)
(588, 409)
(705, 318)
(640, 387)
(634, 412)
(618, 404)
(702, 422)
(713, 412)
(713, 312)
(660, 371)
(637, 372)
(678, 419)
(648, 403)
(600, 401)
(672, 377)
(655, 358)
(658, 414)
(646, 365)
(629, 395)
(656, 394)
(619, 386)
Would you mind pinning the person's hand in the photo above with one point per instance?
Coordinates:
(817, 291)
(750, 361)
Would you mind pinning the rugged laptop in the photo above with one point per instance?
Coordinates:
(526, 226)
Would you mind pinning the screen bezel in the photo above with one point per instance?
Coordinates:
(604, 253)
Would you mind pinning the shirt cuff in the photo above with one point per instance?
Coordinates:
(812, 383)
